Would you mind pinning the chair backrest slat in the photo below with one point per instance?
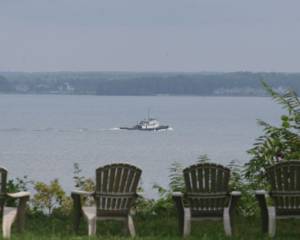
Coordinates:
(200, 178)
(129, 181)
(116, 187)
(213, 180)
(284, 178)
(124, 179)
(103, 188)
(118, 178)
(112, 179)
(194, 182)
(207, 188)
(206, 176)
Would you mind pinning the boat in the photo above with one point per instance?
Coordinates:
(149, 124)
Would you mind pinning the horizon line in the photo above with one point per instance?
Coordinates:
(146, 72)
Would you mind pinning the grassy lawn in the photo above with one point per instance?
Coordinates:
(150, 229)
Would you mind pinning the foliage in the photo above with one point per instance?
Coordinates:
(176, 178)
(151, 228)
(278, 143)
(17, 185)
(50, 197)
(247, 205)
(81, 182)
(164, 204)
(203, 159)
(84, 184)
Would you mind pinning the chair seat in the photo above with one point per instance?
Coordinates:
(91, 213)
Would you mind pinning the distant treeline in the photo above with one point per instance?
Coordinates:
(127, 83)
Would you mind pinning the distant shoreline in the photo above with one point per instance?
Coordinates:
(167, 96)
(211, 84)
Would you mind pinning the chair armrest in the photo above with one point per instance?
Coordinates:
(261, 197)
(177, 194)
(140, 195)
(261, 192)
(18, 195)
(235, 193)
(82, 193)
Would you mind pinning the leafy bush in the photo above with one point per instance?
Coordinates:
(278, 143)
(17, 185)
(51, 197)
(164, 204)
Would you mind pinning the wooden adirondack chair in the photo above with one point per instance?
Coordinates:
(207, 197)
(284, 178)
(10, 214)
(115, 194)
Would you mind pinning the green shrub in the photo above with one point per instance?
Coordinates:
(51, 198)
(17, 185)
(279, 143)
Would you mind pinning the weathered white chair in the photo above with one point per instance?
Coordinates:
(207, 197)
(284, 178)
(115, 194)
(11, 214)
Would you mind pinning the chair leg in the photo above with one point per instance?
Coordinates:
(92, 226)
(227, 222)
(187, 222)
(131, 227)
(8, 219)
(125, 227)
(77, 211)
(21, 213)
(272, 221)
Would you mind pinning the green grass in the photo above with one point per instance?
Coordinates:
(54, 228)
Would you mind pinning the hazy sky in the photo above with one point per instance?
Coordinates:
(150, 35)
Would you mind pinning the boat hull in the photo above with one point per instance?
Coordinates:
(145, 129)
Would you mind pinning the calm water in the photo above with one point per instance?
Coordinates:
(43, 135)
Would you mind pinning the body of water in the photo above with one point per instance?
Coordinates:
(42, 136)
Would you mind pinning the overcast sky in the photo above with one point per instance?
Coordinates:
(150, 35)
